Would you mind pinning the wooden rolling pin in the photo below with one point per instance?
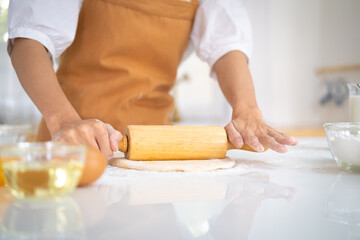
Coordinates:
(167, 142)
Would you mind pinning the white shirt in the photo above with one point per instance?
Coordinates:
(220, 26)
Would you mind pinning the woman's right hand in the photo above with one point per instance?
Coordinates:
(90, 132)
(37, 76)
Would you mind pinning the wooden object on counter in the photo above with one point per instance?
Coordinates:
(305, 132)
(168, 142)
(336, 69)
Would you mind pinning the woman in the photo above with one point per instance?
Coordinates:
(118, 62)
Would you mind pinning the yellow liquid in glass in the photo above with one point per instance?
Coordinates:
(40, 180)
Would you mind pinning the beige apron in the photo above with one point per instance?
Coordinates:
(123, 61)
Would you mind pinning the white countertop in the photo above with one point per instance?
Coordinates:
(301, 195)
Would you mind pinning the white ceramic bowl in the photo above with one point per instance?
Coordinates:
(344, 142)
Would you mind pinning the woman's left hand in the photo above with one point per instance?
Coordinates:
(247, 127)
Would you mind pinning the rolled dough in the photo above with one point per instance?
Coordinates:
(174, 166)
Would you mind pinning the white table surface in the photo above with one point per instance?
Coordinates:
(301, 194)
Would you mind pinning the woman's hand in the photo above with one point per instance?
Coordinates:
(248, 128)
(37, 76)
(246, 125)
(90, 132)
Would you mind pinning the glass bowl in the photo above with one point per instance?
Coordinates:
(344, 142)
(41, 170)
(14, 133)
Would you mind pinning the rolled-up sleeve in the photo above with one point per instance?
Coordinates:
(221, 26)
(51, 22)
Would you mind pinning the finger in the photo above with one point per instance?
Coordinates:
(282, 137)
(88, 136)
(92, 143)
(234, 136)
(271, 143)
(114, 137)
(69, 137)
(102, 138)
(253, 141)
(292, 141)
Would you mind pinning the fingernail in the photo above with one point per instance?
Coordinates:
(115, 145)
(293, 140)
(260, 148)
(283, 149)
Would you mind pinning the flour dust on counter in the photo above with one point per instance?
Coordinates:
(174, 166)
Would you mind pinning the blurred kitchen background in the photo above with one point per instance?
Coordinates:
(305, 51)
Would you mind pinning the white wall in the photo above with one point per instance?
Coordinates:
(199, 99)
(292, 39)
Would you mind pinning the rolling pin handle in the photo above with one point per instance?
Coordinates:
(123, 144)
